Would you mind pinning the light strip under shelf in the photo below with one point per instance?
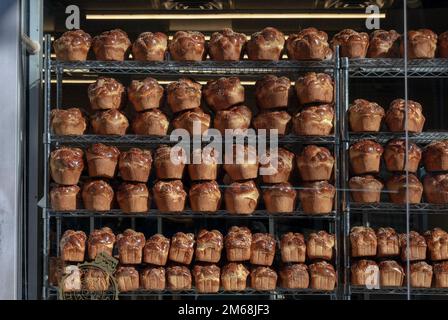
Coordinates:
(87, 81)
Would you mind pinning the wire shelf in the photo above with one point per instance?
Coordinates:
(384, 207)
(399, 291)
(383, 137)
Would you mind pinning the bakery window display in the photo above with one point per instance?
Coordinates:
(150, 46)
(73, 45)
(227, 45)
(206, 278)
(365, 116)
(111, 45)
(156, 250)
(187, 46)
(67, 122)
(308, 44)
(145, 94)
(130, 245)
(266, 44)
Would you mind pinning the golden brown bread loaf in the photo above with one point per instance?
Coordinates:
(95, 279)
(206, 278)
(417, 246)
(209, 245)
(66, 165)
(435, 188)
(238, 244)
(293, 247)
(365, 189)
(352, 44)
(241, 197)
(97, 195)
(274, 120)
(394, 156)
(242, 163)
(262, 249)
(315, 88)
(308, 44)
(395, 116)
(178, 278)
(182, 248)
(73, 45)
(169, 162)
(223, 93)
(365, 156)
(100, 241)
(320, 245)
(441, 274)
(145, 94)
(73, 246)
(388, 242)
(127, 278)
(135, 165)
(365, 116)
(195, 121)
(391, 274)
(397, 186)
(151, 123)
(317, 197)
(314, 121)
(150, 46)
(363, 241)
(237, 117)
(169, 196)
(187, 46)
(422, 44)
(204, 164)
(437, 241)
(68, 121)
(153, 279)
(64, 198)
(226, 45)
(443, 45)
(156, 250)
(102, 160)
(183, 94)
(276, 165)
(294, 276)
(111, 45)
(421, 275)
(435, 156)
(365, 273)
(266, 44)
(272, 92)
(205, 196)
(323, 276)
(263, 279)
(384, 44)
(109, 122)
(130, 246)
(133, 197)
(234, 277)
(315, 163)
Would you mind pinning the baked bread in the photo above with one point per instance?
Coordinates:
(66, 165)
(395, 152)
(194, 121)
(323, 276)
(435, 156)
(182, 248)
(363, 241)
(421, 275)
(441, 274)
(150, 46)
(315, 163)
(317, 197)
(169, 162)
(169, 196)
(95, 280)
(226, 45)
(204, 165)
(266, 44)
(352, 44)
(133, 197)
(64, 198)
(436, 188)
(365, 156)
(187, 46)
(280, 198)
(274, 120)
(417, 246)
(437, 241)
(206, 278)
(71, 279)
(262, 249)
(238, 244)
(156, 250)
(209, 245)
(391, 274)
(73, 246)
(443, 45)
(365, 189)
(365, 116)
(395, 116)
(205, 196)
(293, 247)
(397, 186)
(388, 242)
(105, 94)
(223, 93)
(276, 165)
(100, 241)
(315, 88)
(102, 160)
(151, 123)
(242, 162)
(111, 45)
(294, 276)
(130, 246)
(145, 94)
(184, 94)
(263, 279)
(308, 44)
(241, 197)
(97, 195)
(422, 44)
(320, 245)
(135, 165)
(234, 277)
(272, 92)
(178, 278)
(73, 45)
(237, 117)
(109, 122)
(384, 44)
(365, 273)
(127, 279)
(153, 278)
(67, 122)
(314, 121)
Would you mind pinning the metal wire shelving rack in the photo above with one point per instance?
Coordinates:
(57, 71)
